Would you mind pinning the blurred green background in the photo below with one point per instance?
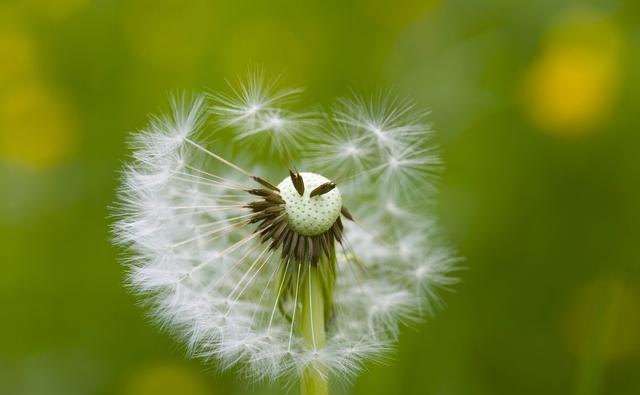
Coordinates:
(536, 104)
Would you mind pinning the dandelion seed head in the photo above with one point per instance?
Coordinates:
(218, 253)
(308, 215)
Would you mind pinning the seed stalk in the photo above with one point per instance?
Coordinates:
(314, 378)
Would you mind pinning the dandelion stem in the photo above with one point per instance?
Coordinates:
(314, 378)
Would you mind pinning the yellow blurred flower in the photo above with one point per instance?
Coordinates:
(37, 126)
(167, 379)
(19, 52)
(572, 86)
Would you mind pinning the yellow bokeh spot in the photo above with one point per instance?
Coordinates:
(167, 379)
(37, 127)
(572, 86)
(603, 320)
(18, 53)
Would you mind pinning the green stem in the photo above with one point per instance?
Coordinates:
(314, 378)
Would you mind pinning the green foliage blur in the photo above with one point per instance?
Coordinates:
(536, 104)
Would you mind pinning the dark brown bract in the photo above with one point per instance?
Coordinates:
(273, 224)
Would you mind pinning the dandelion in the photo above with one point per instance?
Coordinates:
(309, 276)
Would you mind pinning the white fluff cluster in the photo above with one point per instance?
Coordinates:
(260, 114)
(204, 272)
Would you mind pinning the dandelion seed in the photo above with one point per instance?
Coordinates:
(259, 113)
(308, 275)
